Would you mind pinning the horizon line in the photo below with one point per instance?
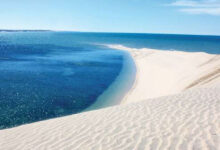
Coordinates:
(51, 30)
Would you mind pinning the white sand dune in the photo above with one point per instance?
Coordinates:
(187, 120)
(161, 73)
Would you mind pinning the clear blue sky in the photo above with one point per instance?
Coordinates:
(148, 16)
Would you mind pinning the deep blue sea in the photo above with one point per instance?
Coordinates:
(45, 75)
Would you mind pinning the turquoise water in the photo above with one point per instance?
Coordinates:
(51, 74)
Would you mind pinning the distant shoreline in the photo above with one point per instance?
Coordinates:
(1, 30)
(101, 32)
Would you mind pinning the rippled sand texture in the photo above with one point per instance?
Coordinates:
(189, 120)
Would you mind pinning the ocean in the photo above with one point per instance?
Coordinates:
(44, 75)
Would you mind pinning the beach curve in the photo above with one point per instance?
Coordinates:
(165, 72)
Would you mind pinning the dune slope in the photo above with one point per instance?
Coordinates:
(189, 120)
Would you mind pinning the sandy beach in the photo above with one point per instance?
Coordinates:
(173, 104)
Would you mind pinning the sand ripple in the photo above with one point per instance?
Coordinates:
(190, 120)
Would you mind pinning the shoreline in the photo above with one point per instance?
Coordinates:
(125, 97)
(115, 93)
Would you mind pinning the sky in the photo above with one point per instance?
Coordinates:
(136, 16)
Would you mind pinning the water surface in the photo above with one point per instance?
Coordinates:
(51, 74)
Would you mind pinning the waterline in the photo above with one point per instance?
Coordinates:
(115, 93)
